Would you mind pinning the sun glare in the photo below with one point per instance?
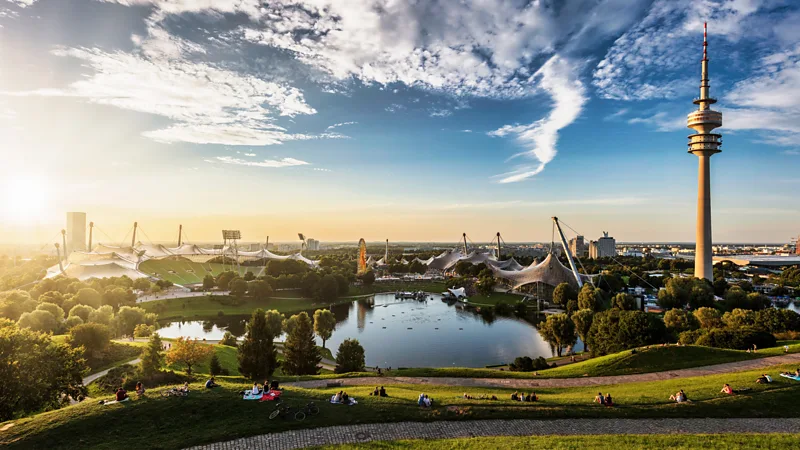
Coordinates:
(24, 199)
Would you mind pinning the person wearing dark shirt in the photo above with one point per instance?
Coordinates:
(121, 395)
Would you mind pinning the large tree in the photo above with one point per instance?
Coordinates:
(558, 331)
(324, 324)
(327, 288)
(93, 337)
(301, 355)
(582, 319)
(708, 318)
(152, 357)
(350, 357)
(39, 320)
(36, 372)
(679, 320)
(258, 357)
(590, 297)
(88, 297)
(564, 293)
(189, 352)
(624, 301)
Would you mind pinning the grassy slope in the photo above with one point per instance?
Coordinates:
(620, 442)
(496, 298)
(227, 359)
(208, 416)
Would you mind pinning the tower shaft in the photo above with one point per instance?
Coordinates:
(703, 263)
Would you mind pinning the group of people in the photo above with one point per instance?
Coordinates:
(796, 373)
(604, 399)
(424, 401)
(257, 389)
(379, 392)
(480, 397)
(516, 396)
(341, 397)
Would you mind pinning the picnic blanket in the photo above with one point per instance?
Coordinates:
(352, 401)
(791, 377)
(114, 401)
(270, 396)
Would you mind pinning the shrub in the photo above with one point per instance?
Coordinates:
(143, 330)
(350, 357)
(690, 337)
(39, 320)
(527, 364)
(228, 339)
(72, 322)
(214, 367)
(739, 339)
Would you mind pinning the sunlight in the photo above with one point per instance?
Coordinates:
(24, 199)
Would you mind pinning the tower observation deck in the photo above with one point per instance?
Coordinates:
(704, 144)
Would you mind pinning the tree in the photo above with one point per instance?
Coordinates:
(93, 337)
(228, 339)
(613, 331)
(708, 318)
(209, 282)
(188, 352)
(327, 288)
(739, 318)
(103, 315)
(720, 287)
(249, 276)
(81, 311)
(238, 287)
(118, 296)
(680, 292)
(625, 302)
(88, 297)
(258, 357)
(259, 289)
(72, 321)
(485, 284)
(53, 309)
(678, 320)
(39, 320)
(324, 324)
(368, 278)
(143, 330)
(582, 319)
(590, 297)
(344, 284)
(301, 355)
(214, 366)
(735, 298)
(564, 293)
(224, 279)
(559, 331)
(36, 372)
(142, 284)
(14, 303)
(151, 357)
(350, 357)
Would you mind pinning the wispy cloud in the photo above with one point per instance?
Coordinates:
(661, 121)
(440, 112)
(394, 107)
(791, 152)
(568, 96)
(611, 201)
(617, 115)
(271, 163)
(337, 125)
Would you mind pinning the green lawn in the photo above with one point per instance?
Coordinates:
(187, 272)
(496, 298)
(620, 442)
(207, 307)
(215, 415)
(227, 359)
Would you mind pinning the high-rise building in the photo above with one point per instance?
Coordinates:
(577, 246)
(603, 248)
(312, 244)
(76, 232)
(704, 144)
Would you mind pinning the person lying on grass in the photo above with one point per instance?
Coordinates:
(764, 379)
(679, 397)
(726, 389)
(185, 387)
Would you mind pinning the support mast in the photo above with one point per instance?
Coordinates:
(133, 238)
(569, 254)
(91, 229)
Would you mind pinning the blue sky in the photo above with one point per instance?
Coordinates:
(390, 119)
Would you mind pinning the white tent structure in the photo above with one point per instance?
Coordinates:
(104, 263)
(550, 272)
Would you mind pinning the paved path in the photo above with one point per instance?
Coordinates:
(351, 434)
(91, 378)
(518, 383)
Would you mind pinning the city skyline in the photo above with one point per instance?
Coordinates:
(234, 117)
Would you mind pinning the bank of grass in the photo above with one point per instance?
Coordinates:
(596, 442)
(496, 298)
(216, 415)
(209, 307)
(228, 360)
(654, 359)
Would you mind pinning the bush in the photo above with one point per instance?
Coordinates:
(39, 320)
(228, 339)
(740, 339)
(143, 330)
(527, 364)
(116, 377)
(690, 337)
(72, 322)
(214, 366)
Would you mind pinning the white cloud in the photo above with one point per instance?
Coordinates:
(440, 112)
(568, 96)
(661, 121)
(337, 125)
(605, 201)
(22, 3)
(394, 107)
(271, 163)
(616, 115)
(466, 131)
(250, 154)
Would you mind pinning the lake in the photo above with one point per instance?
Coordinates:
(408, 333)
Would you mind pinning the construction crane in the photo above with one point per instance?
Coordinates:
(569, 254)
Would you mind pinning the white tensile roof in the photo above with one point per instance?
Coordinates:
(550, 272)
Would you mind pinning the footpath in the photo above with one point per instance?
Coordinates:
(363, 433)
(524, 383)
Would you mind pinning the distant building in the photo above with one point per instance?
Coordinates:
(76, 232)
(312, 244)
(577, 246)
(603, 248)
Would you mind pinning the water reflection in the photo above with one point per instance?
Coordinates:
(410, 333)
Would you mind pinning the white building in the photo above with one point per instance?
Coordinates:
(76, 232)
(604, 247)
(312, 244)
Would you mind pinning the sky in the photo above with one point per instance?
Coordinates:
(406, 120)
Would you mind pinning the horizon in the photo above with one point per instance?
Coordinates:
(225, 116)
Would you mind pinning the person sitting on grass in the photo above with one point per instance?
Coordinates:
(600, 399)
(467, 396)
(533, 398)
(421, 400)
(515, 396)
(256, 390)
(338, 397)
(139, 389)
(428, 401)
(121, 395)
(382, 392)
(345, 398)
(211, 383)
(726, 389)
(376, 392)
(764, 379)
(185, 387)
(609, 401)
(679, 397)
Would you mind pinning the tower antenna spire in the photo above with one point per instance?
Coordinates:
(705, 41)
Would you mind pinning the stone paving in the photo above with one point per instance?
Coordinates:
(518, 383)
(351, 434)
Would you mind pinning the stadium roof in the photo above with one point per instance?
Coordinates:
(550, 272)
(760, 260)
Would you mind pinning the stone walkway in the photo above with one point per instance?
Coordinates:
(352, 434)
(518, 383)
(93, 377)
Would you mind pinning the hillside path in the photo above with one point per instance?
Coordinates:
(93, 377)
(524, 383)
(353, 434)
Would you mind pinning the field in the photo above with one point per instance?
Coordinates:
(220, 414)
(187, 272)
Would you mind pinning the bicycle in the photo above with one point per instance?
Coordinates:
(174, 392)
(310, 409)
